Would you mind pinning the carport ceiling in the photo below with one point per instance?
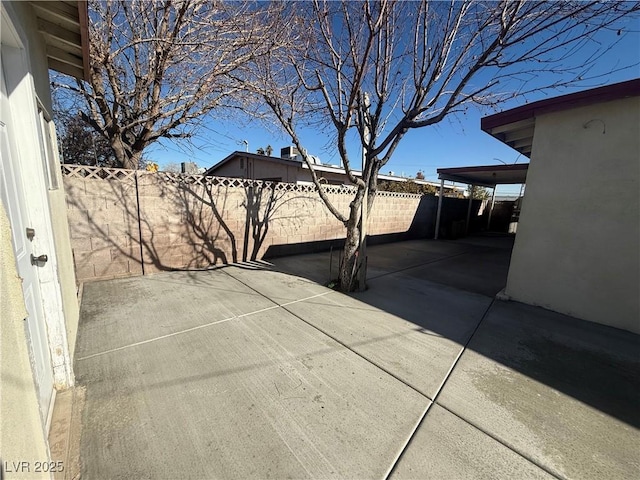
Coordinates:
(487, 176)
(64, 27)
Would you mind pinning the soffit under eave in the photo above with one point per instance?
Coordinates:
(64, 26)
(518, 135)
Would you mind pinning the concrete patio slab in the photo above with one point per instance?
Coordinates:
(382, 259)
(277, 286)
(246, 372)
(446, 446)
(393, 257)
(495, 240)
(262, 396)
(439, 308)
(317, 267)
(464, 265)
(483, 270)
(114, 312)
(416, 332)
(563, 392)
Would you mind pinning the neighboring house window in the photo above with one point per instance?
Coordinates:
(47, 148)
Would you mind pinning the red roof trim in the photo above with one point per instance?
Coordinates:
(607, 93)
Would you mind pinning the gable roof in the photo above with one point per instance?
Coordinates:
(515, 127)
(254, 156)
(301, 164)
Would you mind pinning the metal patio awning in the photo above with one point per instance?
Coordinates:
(486, 176)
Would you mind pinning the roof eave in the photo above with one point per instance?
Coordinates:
(630, 88)
(515, 127)
(65, 28)
(83, 12)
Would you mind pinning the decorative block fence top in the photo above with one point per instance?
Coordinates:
(121, 174)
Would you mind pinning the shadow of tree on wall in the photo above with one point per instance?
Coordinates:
(166, 222)
(266, 206)
(216, 216)
(104, 220)
(257, 225)
(202, 210)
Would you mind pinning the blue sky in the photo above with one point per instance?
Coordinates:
(455, 142)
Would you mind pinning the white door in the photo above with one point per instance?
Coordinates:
(12, 193)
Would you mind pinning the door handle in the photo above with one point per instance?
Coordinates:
(39, 260)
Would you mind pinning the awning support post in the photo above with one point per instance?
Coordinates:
(493, 201)
(440, 195)
(466, 227)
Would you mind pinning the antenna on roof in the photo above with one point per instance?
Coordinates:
(245, 143)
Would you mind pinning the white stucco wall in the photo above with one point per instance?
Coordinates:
(577, 247)
(22, 433)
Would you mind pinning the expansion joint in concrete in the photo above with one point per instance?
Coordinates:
(502, 442)
(437, 394)
(197, 327)
(284, 307)
(435, 402)
(432, 401)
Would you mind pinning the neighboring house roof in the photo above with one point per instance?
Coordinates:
(254, 156)
(515, 127)
(488, 175)
(294, 163)
(64, 25)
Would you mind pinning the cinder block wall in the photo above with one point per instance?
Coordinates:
(126, 223)
(103, 223)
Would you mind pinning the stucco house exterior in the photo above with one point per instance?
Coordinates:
(578, 242)
(38, 296)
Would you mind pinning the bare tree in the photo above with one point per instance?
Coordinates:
(171, 167)
(380, 69)
(158, 67)
(80, 144)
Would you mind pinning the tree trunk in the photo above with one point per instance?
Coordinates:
(126, 158)
(119, 151)
(349, 264)
(133, 162)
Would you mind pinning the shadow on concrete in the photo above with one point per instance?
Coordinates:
(595, 364)
(269, 356)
